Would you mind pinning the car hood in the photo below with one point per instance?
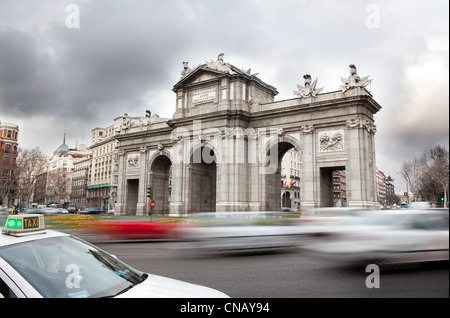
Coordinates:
(162, 287)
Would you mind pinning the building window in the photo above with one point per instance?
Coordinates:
(8, 148)
(9, 134)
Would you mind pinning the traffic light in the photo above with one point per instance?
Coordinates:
(150, 192)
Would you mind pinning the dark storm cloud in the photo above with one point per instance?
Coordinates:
(112, 58)
(26, 80)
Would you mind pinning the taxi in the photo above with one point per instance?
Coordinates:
(39, 263)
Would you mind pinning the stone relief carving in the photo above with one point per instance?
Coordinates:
(309, 90)
(227, 133)
(353, 123)
(176, 139)
(362, 123)
(307, 129)
(220, 65)
(331, 141)
(133, 161)
(353, 80)
(254, 101)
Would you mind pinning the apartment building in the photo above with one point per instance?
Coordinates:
(9, 134)
(339, 188)
(60, 169)
(101, 181)
(290, 180)
(80, 176)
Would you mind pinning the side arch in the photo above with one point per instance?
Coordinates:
(160, 179)
(275, 148)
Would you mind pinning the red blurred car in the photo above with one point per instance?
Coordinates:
(138, 229)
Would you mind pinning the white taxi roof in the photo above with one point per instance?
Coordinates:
(9, 239)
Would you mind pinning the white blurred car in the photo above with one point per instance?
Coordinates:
(5, 211)
(40, 263)
(384, 237)
(47, 211)
(238, 232)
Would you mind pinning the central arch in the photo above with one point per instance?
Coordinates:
(160, 181)
(203, 176)
(276, 150)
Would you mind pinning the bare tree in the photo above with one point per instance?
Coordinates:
(30, 163)
(428, 175)
(58, 186)
(411, 171)
(436, 170)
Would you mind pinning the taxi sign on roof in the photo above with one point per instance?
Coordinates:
(23, 224)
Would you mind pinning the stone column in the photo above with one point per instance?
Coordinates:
(373, 167)
(120, 207)
(307, 179)
(187, 188)
(254, 174)
(176, 202)
(142, 192)
(360, 173)
(222, 186)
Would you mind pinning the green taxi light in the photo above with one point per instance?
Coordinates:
(23, 224)
(13, 223)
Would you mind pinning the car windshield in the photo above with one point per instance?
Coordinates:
(65, 267)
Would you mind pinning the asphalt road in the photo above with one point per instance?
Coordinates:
(281, 275)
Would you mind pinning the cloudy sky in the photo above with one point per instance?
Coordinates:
(57, 76)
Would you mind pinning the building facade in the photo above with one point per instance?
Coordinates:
(290, 180)
(339, 188)
(9, 136)
(60, 168)
(102, 180)
(80, 177)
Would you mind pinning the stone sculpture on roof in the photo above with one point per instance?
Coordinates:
(354, 80)
(309, 90)
(186, 70)
(220, 65)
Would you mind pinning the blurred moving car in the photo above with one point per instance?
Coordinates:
(384, 237)
(137, 229)
(238, 232)
(40, 263)
(5, 211)
(47, 211)
(91, 211)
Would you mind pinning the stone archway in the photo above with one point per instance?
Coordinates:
(215, 111)
(271, 180)
(203, 179)
(160, 180)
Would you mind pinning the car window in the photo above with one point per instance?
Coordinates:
(5, 291)
(69, 268)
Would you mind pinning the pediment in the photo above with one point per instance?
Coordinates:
(203, 75)
(199, 74)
